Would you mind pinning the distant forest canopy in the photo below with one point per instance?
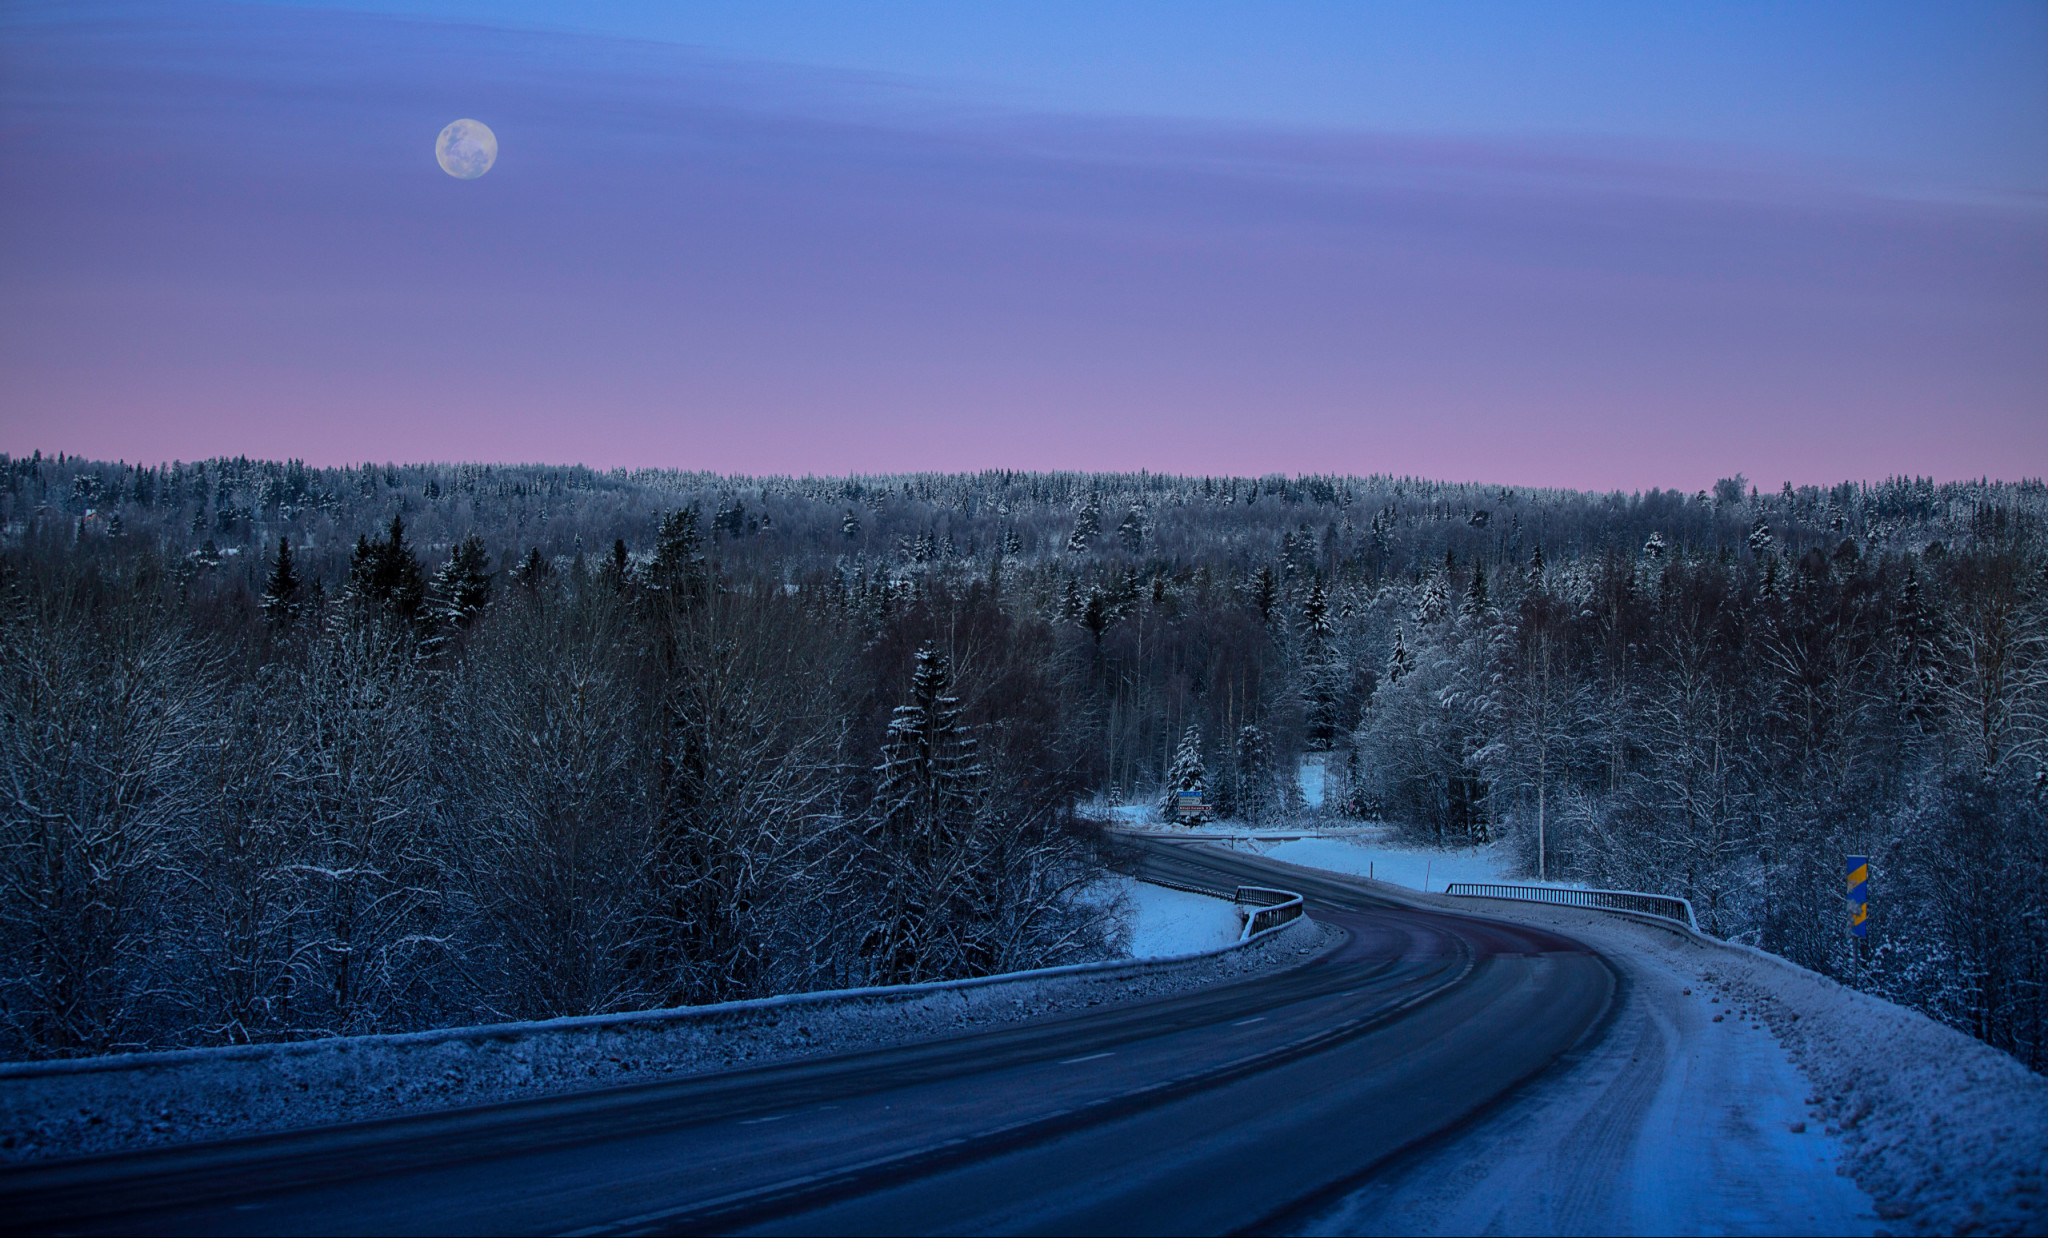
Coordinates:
(372, 748)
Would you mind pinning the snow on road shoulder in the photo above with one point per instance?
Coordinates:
(1166, 923)
(1792, 1073)
(1371, 855)
(1946, 1134)
(1949, 1134)
(1671, 1122)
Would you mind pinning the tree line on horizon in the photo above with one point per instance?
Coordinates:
(384, 747)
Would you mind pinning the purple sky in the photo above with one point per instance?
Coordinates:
(223, 232)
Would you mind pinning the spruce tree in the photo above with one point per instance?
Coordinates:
(1265, 592)
(678, 570)
(1187, 773)
(928, 768)
(281, 593)
(533, 573)
(1400, 661)
(1315, 614)
(920, 830)
(619, 569)
(1254, 774)
(1087, 527)
(462, 588)
(1475, 595)
(386, 573)
(1132, 531)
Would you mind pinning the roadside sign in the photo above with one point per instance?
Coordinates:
(1858, 867)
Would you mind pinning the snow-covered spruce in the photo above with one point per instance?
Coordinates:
(84, 1106)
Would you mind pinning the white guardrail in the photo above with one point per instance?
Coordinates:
(1634, 902)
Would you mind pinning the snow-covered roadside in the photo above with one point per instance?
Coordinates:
(1946, 1134)
(1768, 1081)
(1371, 855)
(1669, 1122)
(71, 1108)
(1167, 923)
(1363, 849)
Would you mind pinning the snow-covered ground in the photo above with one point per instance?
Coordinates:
(1164, 923)
(1733, 1092)
(1359, 848)
(1673, 1123)
(1371, 854)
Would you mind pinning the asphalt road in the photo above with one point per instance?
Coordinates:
(1244, 1107)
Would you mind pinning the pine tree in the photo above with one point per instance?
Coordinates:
(1187, 773)
(1917, 654)
(929, 783)
(618, 570)
(1255, 785)
(678, 570)
(928, 770)
(1315, 614)
(849, 528)
(1760, 538)
(1087, 527)
(281, 594)
(1400, 661)
(462, 588)
(1265, 592)
(1322, 670)
(533, 572)
(1132, 531)
(1359, 800)
(1435, 600)
(1475, 595)
(386, 573)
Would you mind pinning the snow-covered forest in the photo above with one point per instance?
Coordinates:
(292, 751)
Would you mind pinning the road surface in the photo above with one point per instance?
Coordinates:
(1259, 1105)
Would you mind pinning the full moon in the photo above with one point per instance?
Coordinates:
(466, 149)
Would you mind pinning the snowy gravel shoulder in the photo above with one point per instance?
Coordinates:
(87, 1106)
(1944, 1134)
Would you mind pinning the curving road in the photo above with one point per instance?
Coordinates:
(1250, 1106)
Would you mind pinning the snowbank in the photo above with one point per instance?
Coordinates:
(69, 1108)
(1367, 851)
(1946, 1134)
(1166, 923)
(1369, 855)
(1949, 1135)
(1679, 1118)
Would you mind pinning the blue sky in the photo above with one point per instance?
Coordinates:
(1918, 97)
(1597, 246)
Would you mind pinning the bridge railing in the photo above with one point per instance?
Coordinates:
(1661, 906)
(1275, 908)
(1271, 908)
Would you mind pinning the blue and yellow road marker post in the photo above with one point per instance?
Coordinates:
(1859, 897)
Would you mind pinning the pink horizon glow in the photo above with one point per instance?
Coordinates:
(665, 271)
